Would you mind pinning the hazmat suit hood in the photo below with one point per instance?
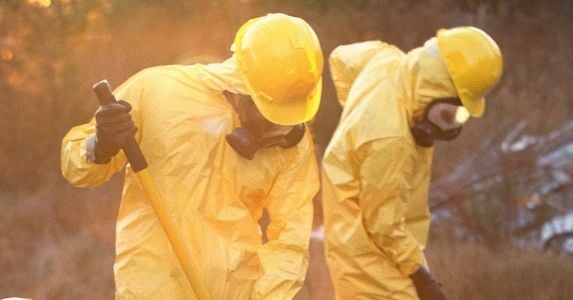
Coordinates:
(224, 75)
(424, 78)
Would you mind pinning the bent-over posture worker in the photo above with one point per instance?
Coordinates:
(224, 141)
(377, 165)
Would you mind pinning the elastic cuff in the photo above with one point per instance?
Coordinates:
(91, 156)
(408, 270)
(415, 262)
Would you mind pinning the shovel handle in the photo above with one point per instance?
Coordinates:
(131, 148)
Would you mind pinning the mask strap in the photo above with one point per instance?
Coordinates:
(426, 132)
(294, 136)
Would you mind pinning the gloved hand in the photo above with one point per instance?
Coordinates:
(426, 287)
(114, 127)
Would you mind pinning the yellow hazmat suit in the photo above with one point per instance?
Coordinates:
(375, 177)
(213, 195)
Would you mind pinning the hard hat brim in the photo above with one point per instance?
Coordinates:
(289, 113)
(475, 107)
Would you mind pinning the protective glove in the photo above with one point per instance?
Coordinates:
(426, 287)
(114, 127)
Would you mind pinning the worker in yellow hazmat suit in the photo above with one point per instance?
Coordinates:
(376, 169)
(223, 142)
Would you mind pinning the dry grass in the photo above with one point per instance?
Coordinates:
(55, 262)
(317, 284)
(469, 271)
(58, 243)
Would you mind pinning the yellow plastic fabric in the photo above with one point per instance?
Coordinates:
(281, 60)
(375, 178)
(474, 62)
(213, 196)
(180, 249)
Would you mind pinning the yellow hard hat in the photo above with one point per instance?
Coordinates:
(281, 61)
(474, 63)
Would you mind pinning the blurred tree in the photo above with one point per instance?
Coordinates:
(512, 187)
(41, 48)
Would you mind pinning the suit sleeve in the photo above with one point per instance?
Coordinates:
(347, 61)
(76, 154)
(284, 258)
(384, 198)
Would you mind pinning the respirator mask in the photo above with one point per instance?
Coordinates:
(443, 120)
(257, 132)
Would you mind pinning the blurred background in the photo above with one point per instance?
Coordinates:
(501, 193)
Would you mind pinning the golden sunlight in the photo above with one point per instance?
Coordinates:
(42, 3)
(6, 54)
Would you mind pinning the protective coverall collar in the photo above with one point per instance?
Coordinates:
(424, 78)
